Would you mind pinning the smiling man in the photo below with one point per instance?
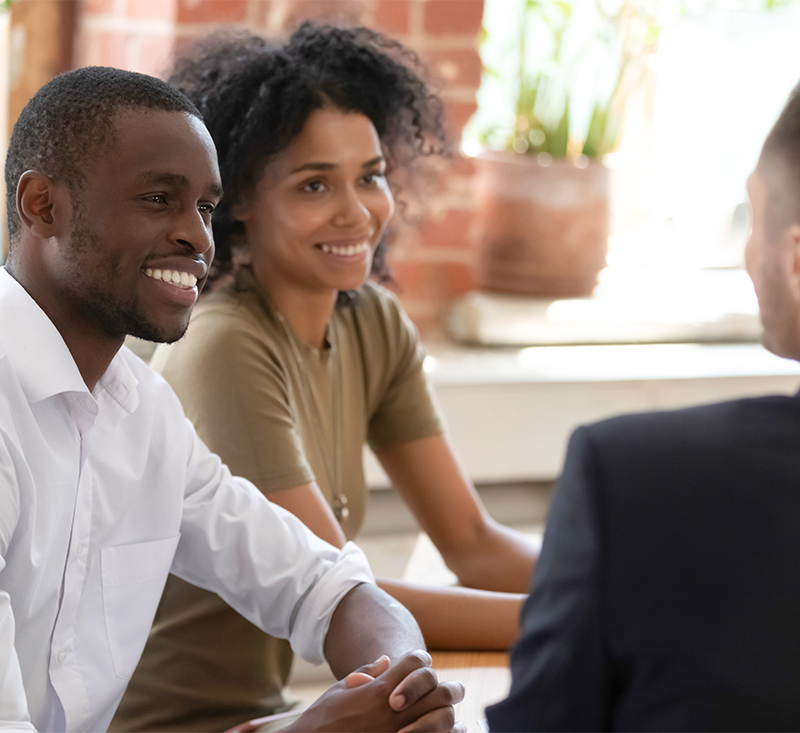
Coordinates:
(667, 594)
(104, 486)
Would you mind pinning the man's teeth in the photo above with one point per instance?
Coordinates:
(350, 249)
(174, 277)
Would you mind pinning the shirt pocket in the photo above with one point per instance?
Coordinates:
(133, 580)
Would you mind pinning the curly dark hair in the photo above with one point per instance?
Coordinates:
(255, 95)
(72, 118)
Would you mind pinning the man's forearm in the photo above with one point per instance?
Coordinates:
(366, 624)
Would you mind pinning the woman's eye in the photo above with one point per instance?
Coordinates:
(314, 186)
(370, 179)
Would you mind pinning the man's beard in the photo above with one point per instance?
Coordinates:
(112, 317)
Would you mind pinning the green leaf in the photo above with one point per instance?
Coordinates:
(560, 136)
(596, 133)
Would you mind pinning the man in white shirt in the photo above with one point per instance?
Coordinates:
(104, 486)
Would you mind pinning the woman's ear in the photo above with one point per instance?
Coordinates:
(43, 204)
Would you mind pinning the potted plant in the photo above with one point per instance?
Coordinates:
(543, 189)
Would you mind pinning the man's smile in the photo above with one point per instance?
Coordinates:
(173, 277)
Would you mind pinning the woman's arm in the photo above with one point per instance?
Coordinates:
(308, 504)
(459, 618)
(450, 618)
(481, 552)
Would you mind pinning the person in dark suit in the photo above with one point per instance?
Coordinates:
(667, 594)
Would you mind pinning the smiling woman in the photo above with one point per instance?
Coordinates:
(300, 358)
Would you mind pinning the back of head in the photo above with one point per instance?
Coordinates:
(255, 95)
(781, 156)
(72, 118)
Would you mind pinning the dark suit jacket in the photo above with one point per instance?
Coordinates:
(667, 595)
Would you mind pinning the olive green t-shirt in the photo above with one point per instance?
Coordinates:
(205, 668)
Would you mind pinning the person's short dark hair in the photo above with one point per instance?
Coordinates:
(782, 148)
(71, 118)
(255, 95)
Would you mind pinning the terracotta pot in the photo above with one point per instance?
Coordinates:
(544, 228)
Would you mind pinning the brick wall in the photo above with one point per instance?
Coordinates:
(433, 260)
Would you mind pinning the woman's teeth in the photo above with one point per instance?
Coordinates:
(350, 249)
(173, 277)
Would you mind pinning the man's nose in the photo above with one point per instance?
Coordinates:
(194, 231)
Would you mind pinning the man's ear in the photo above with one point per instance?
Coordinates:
(43, 204)
(792, 235)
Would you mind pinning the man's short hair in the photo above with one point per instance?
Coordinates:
(71, 118)
(782, 149)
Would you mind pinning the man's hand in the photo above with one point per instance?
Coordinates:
(401, 696)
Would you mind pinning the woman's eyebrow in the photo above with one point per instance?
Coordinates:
(314, 167)
(320, 166)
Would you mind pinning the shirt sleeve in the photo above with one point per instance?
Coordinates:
(13, 700)
(559, 677)
(234, 389)
(405, 406)
(261, 559)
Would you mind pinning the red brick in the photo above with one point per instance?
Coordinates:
(212, 11)
(456, 66)
(456, 115)
(453, 17)
(348, 12)
(111, 49)
(393, 16)
(454, 279)
(260, 15)
(451, 231)
(462, 165)
(413, 278)
(96, 7)
(151, 9)
(153, 54)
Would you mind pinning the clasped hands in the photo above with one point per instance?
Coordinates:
(403, 696)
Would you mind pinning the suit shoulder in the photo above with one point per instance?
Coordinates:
(690, 423)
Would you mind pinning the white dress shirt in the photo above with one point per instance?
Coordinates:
(103, 494)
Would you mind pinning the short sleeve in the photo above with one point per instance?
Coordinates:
(404, 405)
(233, 386)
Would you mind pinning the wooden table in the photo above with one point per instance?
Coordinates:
(486, 679)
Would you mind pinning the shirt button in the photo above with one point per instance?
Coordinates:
(62, 656)
(78, 550)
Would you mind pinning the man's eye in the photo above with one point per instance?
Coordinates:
(157, 198)
(207, 208)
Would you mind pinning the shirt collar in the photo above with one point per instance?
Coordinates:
(41, 359)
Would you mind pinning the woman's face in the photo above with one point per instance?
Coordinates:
(317, 214)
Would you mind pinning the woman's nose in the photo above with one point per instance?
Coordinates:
(351, 209)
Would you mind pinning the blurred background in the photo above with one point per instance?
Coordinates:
(703, 83)
(663, 105)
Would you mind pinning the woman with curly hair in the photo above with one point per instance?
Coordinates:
(299, 359)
